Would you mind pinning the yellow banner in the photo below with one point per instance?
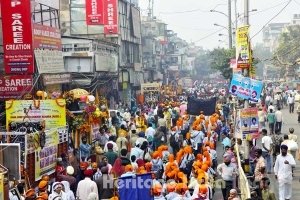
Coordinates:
(1, 187)
(52, 111)
(243, 47)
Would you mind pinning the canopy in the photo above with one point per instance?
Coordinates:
(77, 93)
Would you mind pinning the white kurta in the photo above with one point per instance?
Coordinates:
(85, 187)
(284, 175)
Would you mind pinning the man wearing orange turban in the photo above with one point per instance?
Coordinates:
(171, 186)
(187, 161)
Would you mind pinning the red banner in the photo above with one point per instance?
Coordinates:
(14, 87)
(110, 13)
(46, 37)
(94, 12)
(17, 37)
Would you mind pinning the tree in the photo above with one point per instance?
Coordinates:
(220, 60)
(288, 50)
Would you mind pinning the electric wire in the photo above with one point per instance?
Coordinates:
(271, 19)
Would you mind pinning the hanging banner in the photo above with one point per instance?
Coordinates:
(15, 87)
(49, 61)
(46, 37)
(17, 40)
(110, 13)
(245, 87)
(46, 158)
(249, 122)
(52, 111)
(242, 47)
(94, 12)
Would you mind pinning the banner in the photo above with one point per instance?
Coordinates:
(195, 106)
(245, 87)
(243, 47)
(94, 12)
(17, 37)
(46, 158)
(110, 13)
(49, 61)
(14, 87)
(53, 112)
(46, 37)
(249, 121)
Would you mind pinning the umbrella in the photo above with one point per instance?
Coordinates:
(77, 93)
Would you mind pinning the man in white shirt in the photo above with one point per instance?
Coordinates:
(279, 120)
(150, 131)
(291, 102)
(283, 173)
(266, 150)
(139, 153)
(271, 107)
(198, 137)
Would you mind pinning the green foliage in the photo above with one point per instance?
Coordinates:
(220, 60)
(288, 50)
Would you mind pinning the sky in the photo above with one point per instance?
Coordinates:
(194, 22)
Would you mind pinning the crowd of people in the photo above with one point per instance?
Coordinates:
(180, 153)
(177, 149)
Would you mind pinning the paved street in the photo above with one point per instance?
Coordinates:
(290, 121)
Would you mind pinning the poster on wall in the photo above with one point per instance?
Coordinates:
(110, 13)
(245, 87)
(94, 131)
(17, 40)
(52, 111)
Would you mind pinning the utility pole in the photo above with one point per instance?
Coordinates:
(246, 74)
(229, 25)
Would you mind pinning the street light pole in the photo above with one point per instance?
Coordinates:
(229, 25)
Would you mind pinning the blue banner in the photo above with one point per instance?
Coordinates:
(135, 187)
(245, 87)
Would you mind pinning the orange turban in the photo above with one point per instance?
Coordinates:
(204, 167)
(128, 168)
(203, 189)
(181, 188)
(187, 150)
(43, 184)
(171, 158)
(199, 157)
(148, 166)
(83, 165)
(42, 196)
(155, 154)
(30, 193)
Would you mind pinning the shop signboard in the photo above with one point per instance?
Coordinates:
(17, 40)
(94, 12)
(46, 37)
(15, 86)
(110, 13)
(51, 79)
(49, 61)
(53, 112)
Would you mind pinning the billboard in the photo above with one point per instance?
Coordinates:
(46, 37)
(110, 13)
(94, 12)
(17, 40)
(14, 87)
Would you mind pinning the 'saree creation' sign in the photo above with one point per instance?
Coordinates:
(94, 12)
(17, 40)
(14, 87)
